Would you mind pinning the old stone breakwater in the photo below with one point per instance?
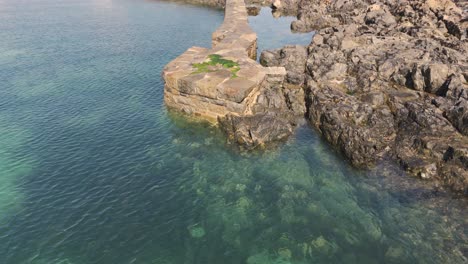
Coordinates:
(379, 79)
(225, 83)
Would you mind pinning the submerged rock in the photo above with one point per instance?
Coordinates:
(322, 246)
(196, 231)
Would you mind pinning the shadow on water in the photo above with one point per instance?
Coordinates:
(94, 169)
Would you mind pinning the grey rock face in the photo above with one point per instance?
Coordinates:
(293, 58)
(362, 132)
(388, 78)
(295, 99)
(271, 119)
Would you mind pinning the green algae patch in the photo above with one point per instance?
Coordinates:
(196, 231)
(215, 61)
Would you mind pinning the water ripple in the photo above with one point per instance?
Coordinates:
(94, 169)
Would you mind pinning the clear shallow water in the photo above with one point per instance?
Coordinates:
(93, 169)
(275, 32)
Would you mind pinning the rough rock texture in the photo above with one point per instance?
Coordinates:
(388, 78)
(293, 58)
(225, 84)
(256, 130)
(272, 118)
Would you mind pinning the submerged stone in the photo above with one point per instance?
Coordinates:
(196, 231)
(285, 253)
(323, 246)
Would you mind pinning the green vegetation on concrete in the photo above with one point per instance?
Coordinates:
(215, 60)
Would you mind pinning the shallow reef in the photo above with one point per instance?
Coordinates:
(300, 204)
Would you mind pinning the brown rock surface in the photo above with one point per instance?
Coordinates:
(387, 78)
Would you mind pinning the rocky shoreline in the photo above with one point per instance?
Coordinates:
(380, 78)
(388, 78)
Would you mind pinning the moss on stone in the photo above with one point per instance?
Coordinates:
(215, 60)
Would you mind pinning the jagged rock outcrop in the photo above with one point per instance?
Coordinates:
(293, 58)
(404, 84)
(256, 130)
(389, 78)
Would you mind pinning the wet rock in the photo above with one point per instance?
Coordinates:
(257, 130)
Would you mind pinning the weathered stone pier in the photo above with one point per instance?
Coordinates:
(223, 80)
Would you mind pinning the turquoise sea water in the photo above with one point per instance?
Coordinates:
(93, 169)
